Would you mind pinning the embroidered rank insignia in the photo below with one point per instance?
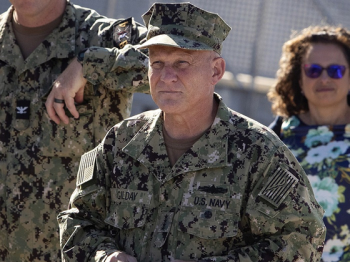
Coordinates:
(278, 186)
(86, 167)
(22, 109)
(122, 33)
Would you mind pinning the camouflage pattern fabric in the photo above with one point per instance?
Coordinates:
(237, 195)
(39, 159)
(184, 26)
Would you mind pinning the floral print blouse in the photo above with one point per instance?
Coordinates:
(324, 153)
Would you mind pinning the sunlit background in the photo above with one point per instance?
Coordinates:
(253, 48)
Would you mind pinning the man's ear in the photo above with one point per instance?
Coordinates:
(219, 66)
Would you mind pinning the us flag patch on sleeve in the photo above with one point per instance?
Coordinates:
(86, 167)
(278, 186)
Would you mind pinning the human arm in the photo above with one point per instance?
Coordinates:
(271, 230)
(114, 68)
(82, 229)
(85, 233)
(69, 86)
(101, 39)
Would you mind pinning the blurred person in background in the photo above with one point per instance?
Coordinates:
(83, 69)
(310, 99)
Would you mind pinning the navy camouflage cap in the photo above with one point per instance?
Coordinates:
(185, 26)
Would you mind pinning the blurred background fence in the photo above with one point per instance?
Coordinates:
(253, 48)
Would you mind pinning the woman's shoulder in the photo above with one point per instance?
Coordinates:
(280, 123)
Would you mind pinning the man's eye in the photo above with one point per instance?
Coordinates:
(182, 64)
(156, 64)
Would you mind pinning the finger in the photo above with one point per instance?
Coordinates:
(59, 108)
(71, 107)
(51, 111)
(79, 96)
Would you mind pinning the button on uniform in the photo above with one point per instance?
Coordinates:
(208, 214)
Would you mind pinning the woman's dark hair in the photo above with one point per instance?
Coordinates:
(286, 96)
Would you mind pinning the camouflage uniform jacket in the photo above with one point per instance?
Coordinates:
(39, 159)
(237, 195)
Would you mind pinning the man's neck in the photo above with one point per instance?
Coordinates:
(189, 126)
(48, 15)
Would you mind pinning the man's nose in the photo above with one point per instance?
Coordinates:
(168, 74)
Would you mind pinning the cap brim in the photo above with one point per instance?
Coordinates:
(175, 41)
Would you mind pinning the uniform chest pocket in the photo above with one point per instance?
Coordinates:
(209, 217)
(70, 140)
(129, 209)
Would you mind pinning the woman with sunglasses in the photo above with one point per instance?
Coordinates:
(310, 99)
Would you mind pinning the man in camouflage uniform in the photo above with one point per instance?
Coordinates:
(193, 181)
(38, 158)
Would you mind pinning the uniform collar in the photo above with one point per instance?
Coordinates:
(210, 151)
(63, 36)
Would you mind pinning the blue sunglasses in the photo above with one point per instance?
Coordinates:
(333, 71)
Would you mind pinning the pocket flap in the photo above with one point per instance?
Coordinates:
(70, 140)
(208, 216)
(163, 225)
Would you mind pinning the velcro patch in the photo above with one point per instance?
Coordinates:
(209, 201)
(122, 33)
(131, 196)
(278, 186)
(22, 109)
(86, 167)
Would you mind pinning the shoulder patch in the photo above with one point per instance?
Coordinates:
(86, 167)
(278, 186)
(122, 33)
